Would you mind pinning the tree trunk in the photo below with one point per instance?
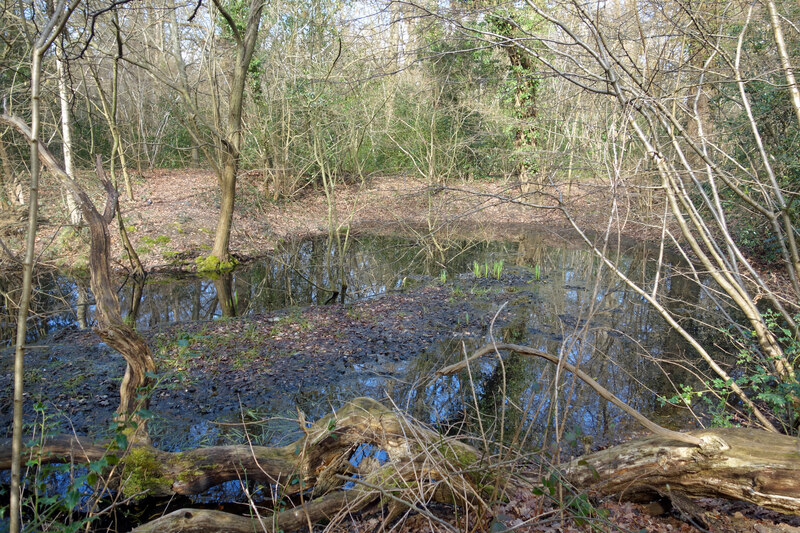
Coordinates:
(66, 136)
(203, 521)
(110, 326)
(222, 237)
(231, 145)
(525, 99)
(6, 176)
(10, 181)
(735, 463)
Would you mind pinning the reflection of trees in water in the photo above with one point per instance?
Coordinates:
(299, 273)
(52, 304)
(581, 311)
(303, 272)
(601, 325)
(226, 297)
(598, 322)
(82, 303)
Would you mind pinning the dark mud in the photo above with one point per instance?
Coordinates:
(312, 358)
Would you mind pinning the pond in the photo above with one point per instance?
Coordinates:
(401, 308)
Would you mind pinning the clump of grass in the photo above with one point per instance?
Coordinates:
(485, 270)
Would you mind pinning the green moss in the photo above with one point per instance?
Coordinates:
(185, 471)
(212, 263)
(144, 474)
(460, 456)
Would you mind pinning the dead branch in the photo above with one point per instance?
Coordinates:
(602, 391)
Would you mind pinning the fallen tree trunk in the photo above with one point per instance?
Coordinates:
(735, 463)
(203, 520)
(315, 465)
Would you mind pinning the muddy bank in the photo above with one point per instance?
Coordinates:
(212, 370)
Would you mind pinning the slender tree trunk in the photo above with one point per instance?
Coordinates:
(6, 176)
(49, 32)
(112, 119)
(27, 277)
(231, 145)
(136, 301)
(66, 136)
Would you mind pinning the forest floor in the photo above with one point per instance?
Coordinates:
(172, 221)
(173, 215)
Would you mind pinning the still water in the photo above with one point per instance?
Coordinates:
(542, 290)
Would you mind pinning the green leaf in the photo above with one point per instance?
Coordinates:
(71, 498)
(121, 440)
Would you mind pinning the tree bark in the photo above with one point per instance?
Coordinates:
(735, 463)
(230, 146)
(526, 88)
(66, 137)
(6, 175)
(110, 326)
(204, 521)
(222, 236)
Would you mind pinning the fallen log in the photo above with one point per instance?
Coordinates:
(735, 463)
(744, 464)
(315, 462)
(204, 520)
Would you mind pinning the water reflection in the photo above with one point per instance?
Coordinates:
(555, 296)
(560, 300)
(298, 273)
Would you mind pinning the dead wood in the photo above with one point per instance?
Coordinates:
(735, 463)
(314, 462)
(204, 521)
(110, 326)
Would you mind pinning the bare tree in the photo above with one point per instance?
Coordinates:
(219, 139)
(50, 30)
(66, 134)
(701, 178)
